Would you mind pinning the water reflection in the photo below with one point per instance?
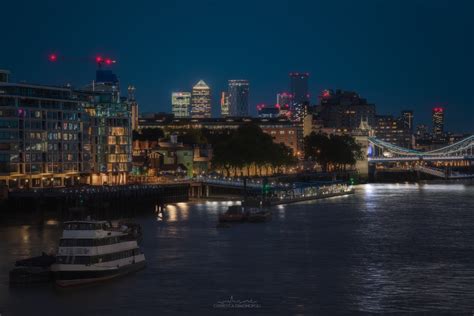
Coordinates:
(52, 222)
(387, 248)
(172, 212)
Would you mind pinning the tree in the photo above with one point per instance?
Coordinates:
(332, 152)
(148, 134)
(192, 136)
(317, 148)
(249, 147)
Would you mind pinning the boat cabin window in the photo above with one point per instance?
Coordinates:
(98, 259)
(85, 226)
(87, 242)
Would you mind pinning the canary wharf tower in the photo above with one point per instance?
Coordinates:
(201, 100)
(238, 98)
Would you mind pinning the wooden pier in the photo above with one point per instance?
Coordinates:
(95, 198)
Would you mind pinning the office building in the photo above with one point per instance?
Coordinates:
(284, 104)
(201, 100)
(224, 104)
(181, 104)
(438, 122)
(264, 111)
(41, 136)
(238, 98)
(345, 110)
(407, 116)
(133, 107)
(109, 126)
(299, 94)
(422, 132)
(58, 136)
(393, 130)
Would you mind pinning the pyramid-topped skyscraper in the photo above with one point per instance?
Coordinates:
(201, 100)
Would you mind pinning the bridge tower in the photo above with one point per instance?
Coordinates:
(361, 136)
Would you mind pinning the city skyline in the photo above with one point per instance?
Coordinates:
(417, 64)
(280, 157)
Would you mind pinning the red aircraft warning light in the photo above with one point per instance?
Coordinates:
(98, 59)
(101, 61)
(326, 94)
(53, 57)
(438, 109)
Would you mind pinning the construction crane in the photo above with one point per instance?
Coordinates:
(99, 60)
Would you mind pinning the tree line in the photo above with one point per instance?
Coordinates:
(332, 152)
(244, 151)
(249, 150)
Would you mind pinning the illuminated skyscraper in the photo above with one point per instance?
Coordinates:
(299, 93)
(133, 107)
(201, 100)
(284, 104)
(224, 104)
(438, 122)
(392, 130)
(238, 98)
(181, 104)
(407, 117)
(284, 99)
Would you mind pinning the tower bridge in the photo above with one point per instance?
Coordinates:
(437, 163)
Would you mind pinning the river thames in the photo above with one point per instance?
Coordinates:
(387, 248)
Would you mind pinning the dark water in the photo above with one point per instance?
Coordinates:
(388, 248)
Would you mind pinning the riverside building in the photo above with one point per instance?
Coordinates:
(56, 136)
(282, 130)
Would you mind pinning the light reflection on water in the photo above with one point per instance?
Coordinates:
(387, 248)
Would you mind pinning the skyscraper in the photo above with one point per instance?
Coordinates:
(407, 117)
(238, 98)
(133, 107)
(224, 104)
(181, 104)
(438, 122)
(345, 110)
(284, 99)
(201, 100)
(299, 93)
(392, 130)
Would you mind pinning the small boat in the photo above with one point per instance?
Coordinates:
(259, 216)
(133, 230)
(234, 213)
(256, 211)
(32, 270)
(93, 251)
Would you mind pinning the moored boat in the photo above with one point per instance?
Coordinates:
(259, 216)
(93, 251)
(32, 270)
(234, 213)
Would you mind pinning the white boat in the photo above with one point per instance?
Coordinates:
(92, 251)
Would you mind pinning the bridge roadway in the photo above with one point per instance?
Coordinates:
(420, 158)
(380, 151)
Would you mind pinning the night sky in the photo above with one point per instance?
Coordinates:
(398, 54)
